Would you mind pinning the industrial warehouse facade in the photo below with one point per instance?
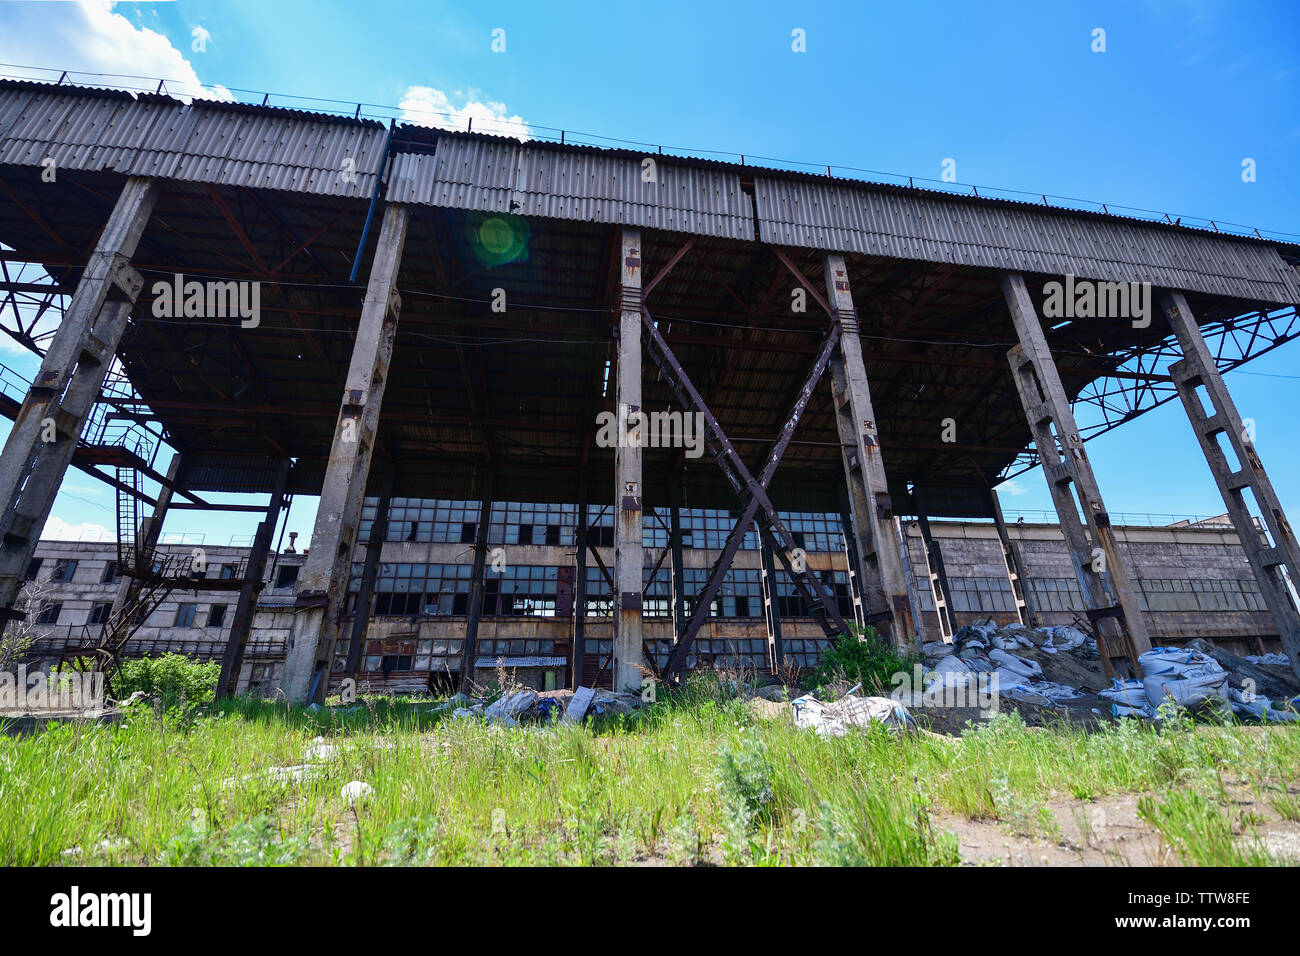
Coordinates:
(1194, 582)
(439, 323)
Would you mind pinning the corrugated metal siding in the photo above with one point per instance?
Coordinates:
(848, 219)
(410, 178)
(305, 152)
(154, 136)
(493, 176)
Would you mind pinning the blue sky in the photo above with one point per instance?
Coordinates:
(1011, 91)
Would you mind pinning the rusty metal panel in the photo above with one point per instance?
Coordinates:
(994, 234)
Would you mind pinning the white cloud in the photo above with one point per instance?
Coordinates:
(1011, 488)
(88, 37)
(432, 107)
(59, 530)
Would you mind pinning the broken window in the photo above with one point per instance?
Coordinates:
(185, 615)
(395, 662)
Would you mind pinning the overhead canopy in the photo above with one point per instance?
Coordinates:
(282, 196)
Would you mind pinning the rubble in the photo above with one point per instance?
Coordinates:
(356, 791)
(509, 708)
(1037, 667)
(529, 706)
(578, 704)
(318, 749)
(1272, 660)
(835, 719)
(1059, 668)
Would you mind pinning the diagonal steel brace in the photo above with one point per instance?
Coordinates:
(753, 491)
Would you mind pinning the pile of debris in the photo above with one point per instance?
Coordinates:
(1059, 668)
(835, 718)
(1043, 666)
(524, 705)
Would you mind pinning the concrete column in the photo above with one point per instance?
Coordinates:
(1015, 564)
(628, 557)
(322, 584)
(366, 587)
(474, 605)
(771, 606)
(938, 575)
(254, 580)
(579, 663)
(1267, 553)
(884, 584)
(1103, 575)
(44, 436)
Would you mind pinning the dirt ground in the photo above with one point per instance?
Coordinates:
(1103, 832)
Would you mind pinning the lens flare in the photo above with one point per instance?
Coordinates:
(498, 238)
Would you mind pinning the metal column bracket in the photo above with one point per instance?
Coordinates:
(1015, 565)
(1271, 547)
(938, 574)
(1112, 604)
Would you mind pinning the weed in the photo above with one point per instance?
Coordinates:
(864, 658)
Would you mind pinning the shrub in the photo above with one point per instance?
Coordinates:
(862, 657)
(172, 678)
(256, 842)
(745, 781)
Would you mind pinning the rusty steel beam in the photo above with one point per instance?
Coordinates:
(754, 493)
(232, 661)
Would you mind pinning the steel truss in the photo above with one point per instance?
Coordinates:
(1141, 380)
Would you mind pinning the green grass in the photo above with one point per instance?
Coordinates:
(694, 779)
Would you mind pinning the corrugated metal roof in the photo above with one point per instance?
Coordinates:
(496, 175)
(411, 177)
(204, 141)
(239, 144)
(521, 661)
(861, 219)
